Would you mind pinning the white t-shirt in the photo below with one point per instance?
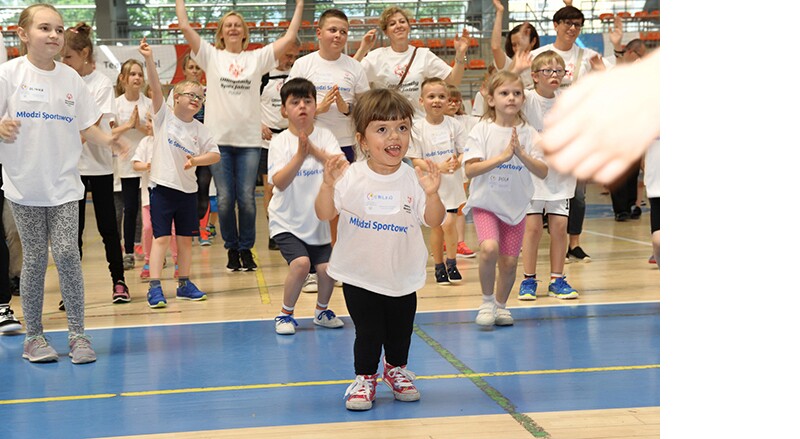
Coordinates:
(478, 105)
(133, 136)
(144, 154)
(40, 168)
(292, 209)
(379, 245)
(555, 186)
(271, 103)
(98, 159)
(571, 60)
(527, 79)
(234, 80)
(384, 68)
(174, 140)
(507, 189)
(652, 169)
(345, 72)
(438, 143)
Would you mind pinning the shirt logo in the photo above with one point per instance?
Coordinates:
(235, 70)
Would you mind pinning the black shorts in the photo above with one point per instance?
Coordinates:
(292, 247)
(168, 205)
(262, 165)
(655, 214)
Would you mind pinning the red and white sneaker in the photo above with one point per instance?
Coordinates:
(462, 251)
(401, 381)
(361, 393)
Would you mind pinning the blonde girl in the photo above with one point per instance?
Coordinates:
(42, 183)
(499, 158)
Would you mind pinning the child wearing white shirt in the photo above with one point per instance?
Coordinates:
(380, 256)
(180, 144)
(295, 169)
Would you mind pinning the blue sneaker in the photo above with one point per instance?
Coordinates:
(560, 289)
(190, 292)
(527, 289)
(155, 298)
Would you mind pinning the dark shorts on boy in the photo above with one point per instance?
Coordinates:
(292, 247)
(168, 205)
(655, 214)
(262, 165)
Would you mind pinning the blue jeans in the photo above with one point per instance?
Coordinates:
(235, 177)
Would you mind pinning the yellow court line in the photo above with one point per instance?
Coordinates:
(263, 291)
(324, 383)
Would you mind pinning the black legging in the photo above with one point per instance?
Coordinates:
(203, 184)
(5, 287)
(131, 198)
(381, 322)
(102, 187)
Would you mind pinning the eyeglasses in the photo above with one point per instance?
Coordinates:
(569, 24)
(194, 97)
(549, 72)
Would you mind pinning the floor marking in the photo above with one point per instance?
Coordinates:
(466, 374)
(263, 291)
(524, 420)
(619, 238)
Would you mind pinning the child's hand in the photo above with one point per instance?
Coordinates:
(597, 63)
(430, 178)
(456, 163)
(341, 105)
(9, 129)
(189, 162)
(325, 105)
(615, 36)
(133, 122)
(335, 168)
(303, 145)
(145, 49)
(508, 153)
(119, 146)
(522, 60)
(462, 44)
(448, 166)
(498, 5)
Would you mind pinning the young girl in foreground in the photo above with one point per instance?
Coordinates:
(49, 108)
(382, 205)
(499, 159)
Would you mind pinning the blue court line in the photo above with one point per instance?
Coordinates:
(534, 364)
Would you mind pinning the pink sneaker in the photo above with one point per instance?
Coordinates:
(361, 393)
(145, 275)
(401, 381)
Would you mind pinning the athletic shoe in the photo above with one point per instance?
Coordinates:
(284, 325)
(502, 317)
(233, 260)
(652, 259)
(559, 288)
(272, 244)
(453, 274)
(636, 213)
(401, 381)
(310, 284)
(337, 283)
(8, 323)
(463, 251)
(327, 319)
(577, 255)
(128, 261)
(37, 350)
(212, 229)
(527, 289)
(441, 276)
(145, 274)
(248, 264)
(138, 252)
(120, 293)
(361, 392)
(486, 314)
(204, 242)
(61, 305)
(190, 292)
(80, 349)
(622, 216)
(155, 298)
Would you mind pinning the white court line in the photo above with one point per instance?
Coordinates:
(606, 235)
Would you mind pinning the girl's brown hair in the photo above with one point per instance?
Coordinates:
(455, 93)
(380, 104)
(219, 42)
(124, 72)
(26, 19)
(78, 38)
(498, 79)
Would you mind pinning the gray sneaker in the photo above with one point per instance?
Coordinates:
(80, 349)
(128, 261)
(36, 349)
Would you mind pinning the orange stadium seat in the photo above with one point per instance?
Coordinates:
(444, 20)
(476, 64)
(374, 21)
(416, 43)
(607, 16)
(266, 24)
(624, 15)
(450, 43)
(195, 25)
(284, 23)
(251, 24)
(173, 26)
(435, 43)
(354, 21)
(212, 25)
(426, 20)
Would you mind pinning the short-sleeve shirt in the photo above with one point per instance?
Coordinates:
(233, 98)
(438, 143)
(271, 103)
(144, 154)
(555, 186)
(174, 140)
(133, 136)
(98, 159)
(385, 67)
(345, 72)
(292, 209)
(40, 168)
(379, 244)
